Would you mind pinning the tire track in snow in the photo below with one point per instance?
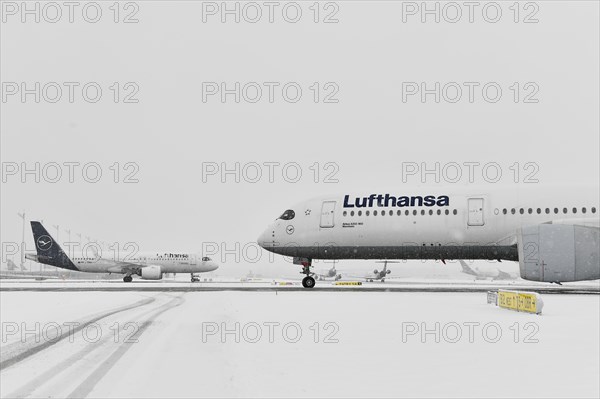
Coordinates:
(90, 382)
(24, 354)
(71, 361)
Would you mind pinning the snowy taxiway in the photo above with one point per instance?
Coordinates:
(392, 285)
(294, 343)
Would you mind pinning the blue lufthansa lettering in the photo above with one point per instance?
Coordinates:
(387, 200)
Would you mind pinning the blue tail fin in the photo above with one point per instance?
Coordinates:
(48, 250)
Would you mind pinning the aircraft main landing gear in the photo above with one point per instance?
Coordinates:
(195, 278)
(128, 279)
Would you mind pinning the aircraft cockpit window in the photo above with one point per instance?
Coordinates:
(288, 215)
(206, 259)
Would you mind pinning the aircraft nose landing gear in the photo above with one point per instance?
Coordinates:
(194, 278)
(308, 281)
(128, 278)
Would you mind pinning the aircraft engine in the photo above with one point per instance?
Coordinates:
(151, 273)
(559, 253)
(389, 271)
(375, 271)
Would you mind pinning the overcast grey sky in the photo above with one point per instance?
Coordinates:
(366, 122)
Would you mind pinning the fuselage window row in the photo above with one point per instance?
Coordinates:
(399, 212)
(548, 211)
(505, 211)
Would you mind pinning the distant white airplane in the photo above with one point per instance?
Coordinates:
(11, 266)
(149, 266)
(377, 275)
(479, 274)
(330, 274)
(554, 233)
(14, 272)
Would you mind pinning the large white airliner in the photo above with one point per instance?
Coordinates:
(552, 232)
(149, 266)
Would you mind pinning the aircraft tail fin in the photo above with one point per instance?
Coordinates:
(48, 250)
(11, 265)
(466, 269)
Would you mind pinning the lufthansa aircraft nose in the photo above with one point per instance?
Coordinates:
(263, 238)
(208, 265)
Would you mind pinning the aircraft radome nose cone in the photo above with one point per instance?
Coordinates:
(262, 239)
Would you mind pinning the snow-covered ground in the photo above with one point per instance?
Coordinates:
(308, 343)
(427, 284)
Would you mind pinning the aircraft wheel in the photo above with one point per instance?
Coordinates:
(128, 279)
(308, 282)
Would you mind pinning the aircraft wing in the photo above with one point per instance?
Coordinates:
(504, 276)
(509, 240)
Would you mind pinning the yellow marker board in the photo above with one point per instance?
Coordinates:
(528, 302)
(508, 299)
(347, 283)
(520, 301)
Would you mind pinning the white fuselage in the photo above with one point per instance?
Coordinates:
(425, 223)
(168, 262)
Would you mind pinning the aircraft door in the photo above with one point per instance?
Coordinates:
(475, 207)
(327, 214)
